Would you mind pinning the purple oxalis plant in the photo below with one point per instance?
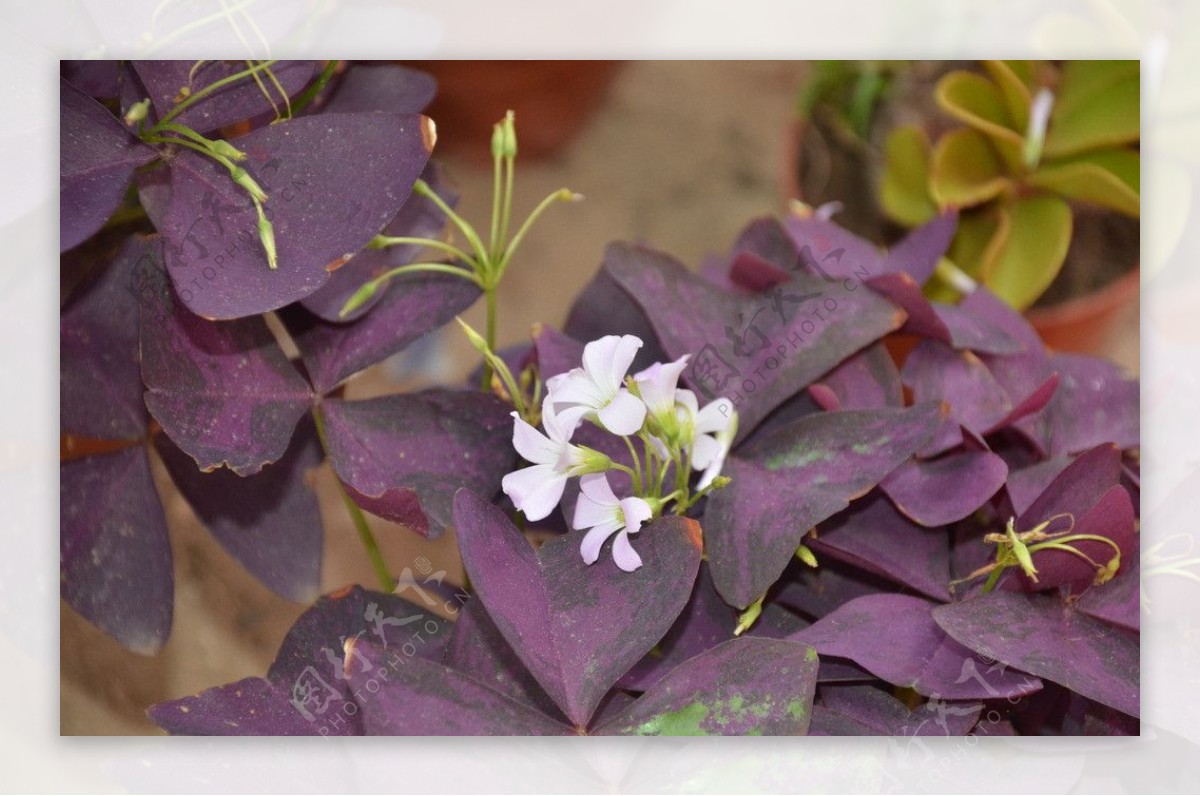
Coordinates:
(761, 518)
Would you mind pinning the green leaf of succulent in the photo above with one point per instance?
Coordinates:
(1085, 82)
(904, 189)
(966, 169)
(981, 232)
(1013, 78)
(977, 102)
(1109, 178)
(1093, 111)
(1033, 251)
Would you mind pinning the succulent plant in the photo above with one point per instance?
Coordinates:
(1036, 138)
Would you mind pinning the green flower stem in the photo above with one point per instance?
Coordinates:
(421, 188)
(384, 241)
(497, 156)
(209, 89)
(561, 195)
(637, 466)
(993, 578)
(356, 515)
(209, 146)
(489, 293)
(310, 93)
(369, 289)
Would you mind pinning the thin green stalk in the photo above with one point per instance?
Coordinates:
(209, 89)
(383, 241)
(356, 515)
(494, 243)
(637, 465)
(992, 579)
(506, 212)
(421, 188)
(437, 268)
(310, 93)
(489, 292)
(561, 195)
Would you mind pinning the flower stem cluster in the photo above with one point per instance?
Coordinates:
(483, 263)
(1016, 549)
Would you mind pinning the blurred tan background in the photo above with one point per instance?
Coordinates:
(677, 154)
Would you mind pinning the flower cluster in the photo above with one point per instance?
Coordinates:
(676, 437)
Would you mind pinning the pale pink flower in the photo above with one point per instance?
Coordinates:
(599, 509)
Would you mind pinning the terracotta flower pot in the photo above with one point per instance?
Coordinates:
(552, 100)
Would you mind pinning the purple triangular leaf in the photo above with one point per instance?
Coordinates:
(945, 324)
(867, 380)
(333, 182)
(94, 78)
(746, 686)
(308, 688)
(223, 392)
(1040, 635)
(705, 622)
(253, 706)
(603, 308)
(387, 88)
(426, 446)
(418, 218)
(115, 565)
(872, 535)
(1118, 602)
(556, 352)
(895, 637)
(270, 522)
(578, 628)
(936, 372)
(760, 350)
(169, 82)
(935, 492)
(100, 378)
(413, 305)
(97, 156)
(1028, 483)
(860, 709)
(419, 697)
(917, 254)
(317, 641)
(788, 482)
(824, 246)
(813, 593)
(1094, 403)
(478, 650)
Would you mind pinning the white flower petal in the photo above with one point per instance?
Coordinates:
(607, 360)
(714, 469)
(715, 416)
(535, 490)
(559, 426)
(596, 487)
(705, 449)
(596, 504)
(624, 415)
(578, 389)
(589, 548)
(533, 445)
(624, 554)
(657, 384)
(636, 512)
